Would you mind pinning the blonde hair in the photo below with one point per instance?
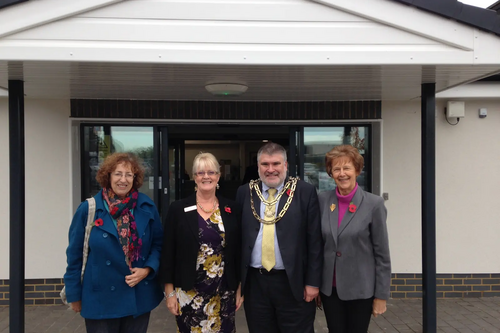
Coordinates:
(205, 160)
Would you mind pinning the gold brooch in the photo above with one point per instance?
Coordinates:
(332, 207)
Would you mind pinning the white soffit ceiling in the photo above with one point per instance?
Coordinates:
(184, 82)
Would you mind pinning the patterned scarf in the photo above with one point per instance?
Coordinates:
(120, 210)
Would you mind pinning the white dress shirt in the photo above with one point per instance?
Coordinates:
(256, 257)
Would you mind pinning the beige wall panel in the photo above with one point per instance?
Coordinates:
(48, 199)
(468, 183)
(401, 179)
(4, 185)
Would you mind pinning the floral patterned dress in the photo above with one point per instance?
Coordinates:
(209, 307)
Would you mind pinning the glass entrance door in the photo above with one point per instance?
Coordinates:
(168, 151)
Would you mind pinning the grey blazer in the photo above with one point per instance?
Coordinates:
(358, 249)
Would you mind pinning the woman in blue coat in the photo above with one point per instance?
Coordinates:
(120, 286)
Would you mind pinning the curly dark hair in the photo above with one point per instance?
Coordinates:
(111, 162)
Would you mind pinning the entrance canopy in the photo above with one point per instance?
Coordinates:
(281, 50)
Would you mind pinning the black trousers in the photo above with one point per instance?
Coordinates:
(346, 316)
(270, 306)
(127, 324)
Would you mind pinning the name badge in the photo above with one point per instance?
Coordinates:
(190, 208)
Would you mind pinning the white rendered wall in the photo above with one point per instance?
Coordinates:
(401, 179)
(48, 200)
(48, 206)
(467, 177)
(4, 185)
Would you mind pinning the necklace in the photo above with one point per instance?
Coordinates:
(207, 211)
(254, 185)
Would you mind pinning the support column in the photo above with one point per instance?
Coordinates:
(429, 207)
(17, 204)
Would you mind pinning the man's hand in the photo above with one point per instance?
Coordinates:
(310, 293)
(138, 274)
(318, 302)
(379, 306)
(76, 306)
(239, 298)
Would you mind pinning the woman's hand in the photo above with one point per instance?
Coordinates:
(76, 306)
(239, 298)
(172, 305)
(379, 307)
(138, 274)
(171, 301)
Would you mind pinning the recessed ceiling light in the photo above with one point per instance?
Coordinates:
(226, 89)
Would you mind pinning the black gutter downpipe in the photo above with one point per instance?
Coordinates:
(428, 102)
(17, 205)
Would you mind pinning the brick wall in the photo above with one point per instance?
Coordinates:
(447, 285)
(46, 291)
(37, 292)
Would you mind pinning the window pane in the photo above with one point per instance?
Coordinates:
(319, 140)
(137, 140)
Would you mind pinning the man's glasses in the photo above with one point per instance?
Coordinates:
(210, 173)
(120, 175)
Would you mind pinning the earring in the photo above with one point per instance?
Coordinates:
(196, 188)
(218, 186)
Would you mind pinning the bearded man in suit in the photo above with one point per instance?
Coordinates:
(282, 247)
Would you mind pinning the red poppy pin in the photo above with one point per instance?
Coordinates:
(288, 192)
(98, 222)
(227, 209)
(352, 207)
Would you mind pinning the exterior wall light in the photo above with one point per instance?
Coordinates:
(226, 89)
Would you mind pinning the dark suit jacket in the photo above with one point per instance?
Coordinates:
(358, 250)
(298, 232)
(181, 243)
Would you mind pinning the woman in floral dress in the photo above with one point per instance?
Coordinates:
(201, 255)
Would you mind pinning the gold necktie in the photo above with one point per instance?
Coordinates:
(268, 258)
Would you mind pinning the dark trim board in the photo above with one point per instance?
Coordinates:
(5, 3)
(226, 110)
(482, 18)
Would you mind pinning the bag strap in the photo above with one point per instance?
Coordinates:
(88, 229)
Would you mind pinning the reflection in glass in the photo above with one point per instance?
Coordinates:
(137, 140)
(318, 141)
(100, 141)
(171, 173)
(96, 148)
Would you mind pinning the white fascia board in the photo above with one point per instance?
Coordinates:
(409, 19)
(3, 92)
(472, 90)
(32, 14)
(230, 54)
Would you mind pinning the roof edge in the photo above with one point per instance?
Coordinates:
(6, 3)
(481, 18)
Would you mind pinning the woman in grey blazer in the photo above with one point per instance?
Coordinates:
(356, 266)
